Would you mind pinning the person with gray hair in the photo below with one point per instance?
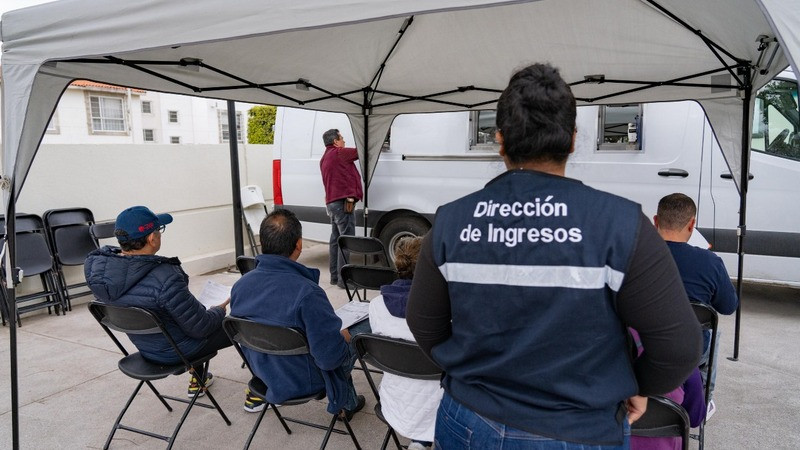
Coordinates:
(342, 190)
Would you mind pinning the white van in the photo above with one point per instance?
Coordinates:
(640, 151)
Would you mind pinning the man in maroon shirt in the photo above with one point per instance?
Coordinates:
(342, 190)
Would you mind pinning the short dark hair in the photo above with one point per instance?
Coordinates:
(675, 211)
(329, 136)
(405, 256)
(536, 115)
(130, 245)
(279, 233)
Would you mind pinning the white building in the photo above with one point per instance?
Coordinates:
(97, 113)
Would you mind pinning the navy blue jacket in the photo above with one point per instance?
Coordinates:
(285, 293)
(159, 285)
(533, 263)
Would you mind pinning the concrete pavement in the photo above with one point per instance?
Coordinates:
(71, 390)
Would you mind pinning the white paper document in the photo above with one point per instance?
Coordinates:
(352, 313)
(214, 294)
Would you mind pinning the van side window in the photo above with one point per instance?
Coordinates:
(482, 129)
(620, 127)
(776, 120)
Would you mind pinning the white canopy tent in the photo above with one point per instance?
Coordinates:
(374, 59)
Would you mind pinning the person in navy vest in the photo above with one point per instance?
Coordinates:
(524, 289)
(342, 190)
(703, 273)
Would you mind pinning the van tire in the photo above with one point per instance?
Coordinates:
(399, 228)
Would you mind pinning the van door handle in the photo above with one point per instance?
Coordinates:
(673, 173)
(728, 176)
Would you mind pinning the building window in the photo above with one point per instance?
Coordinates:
(108, 113)
(174, 139)
(173, 116)
(52, 126)
(482, 129)
(620, 127)
(224, 133)
(147, 107)
(149, 135)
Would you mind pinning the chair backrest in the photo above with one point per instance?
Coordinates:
(25, 223)
(396, 356)
(663, 418)
(54, 218)
(33, 254)
(269, 339)
(367, 277)
(72, 243)
(370, 247)
(709, 320)
(131, 320)
(245, 264)
(252, 195)
(103, 230)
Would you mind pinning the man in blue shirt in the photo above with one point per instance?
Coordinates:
(703, 273)
(282, 292)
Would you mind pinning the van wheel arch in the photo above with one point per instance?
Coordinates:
(399, 224)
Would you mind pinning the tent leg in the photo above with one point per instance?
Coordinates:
(236, 190)
(365, 174)
(743, 185)
(10, 297)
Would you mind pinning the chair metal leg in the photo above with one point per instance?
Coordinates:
(122, 413)
(158, 394)
(396, 441)
(350, 432)
(328, 432)
(255, 427)
(702, 434)
(386, 439)
(280, 418)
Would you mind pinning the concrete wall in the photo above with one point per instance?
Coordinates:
(191, 182)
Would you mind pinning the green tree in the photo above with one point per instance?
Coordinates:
(260, 124)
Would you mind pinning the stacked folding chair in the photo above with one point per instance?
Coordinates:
(68, 231)
(254, 209)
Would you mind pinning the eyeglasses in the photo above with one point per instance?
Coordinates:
(162, 229)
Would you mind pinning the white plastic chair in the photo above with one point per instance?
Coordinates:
(255, 209)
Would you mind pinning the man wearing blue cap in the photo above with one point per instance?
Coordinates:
(133, 275)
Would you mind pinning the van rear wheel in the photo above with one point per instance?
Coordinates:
(399, 228)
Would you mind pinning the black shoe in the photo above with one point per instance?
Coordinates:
(349, 413)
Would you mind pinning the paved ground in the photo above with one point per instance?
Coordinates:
(71, 390)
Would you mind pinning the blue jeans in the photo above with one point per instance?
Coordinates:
(704, 360)
(342, 223)
(458, 427)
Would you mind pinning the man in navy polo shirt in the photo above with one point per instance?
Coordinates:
(703, 273)
(342, 191)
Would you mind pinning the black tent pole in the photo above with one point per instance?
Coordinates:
(11, 240)
(743, 185)
(365, 109)
(236, 189)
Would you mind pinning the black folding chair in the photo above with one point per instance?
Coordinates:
(395, 356)
(370, 249)
(102, 230)
(245, 264)
(70, 238)
(663, 418)
(35, 258)
(357, 277)
(709, 321)
(132, 320)
(278, 341)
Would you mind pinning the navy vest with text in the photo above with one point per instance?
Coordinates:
(533, 264)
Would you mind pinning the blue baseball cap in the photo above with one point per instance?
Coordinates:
(137, 222)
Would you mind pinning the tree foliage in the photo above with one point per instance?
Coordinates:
(260, 124)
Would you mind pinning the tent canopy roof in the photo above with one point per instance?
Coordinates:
(385, 57)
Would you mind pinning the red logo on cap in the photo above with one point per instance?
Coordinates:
(147, 226)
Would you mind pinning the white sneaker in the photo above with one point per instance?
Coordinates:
(712, 408)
